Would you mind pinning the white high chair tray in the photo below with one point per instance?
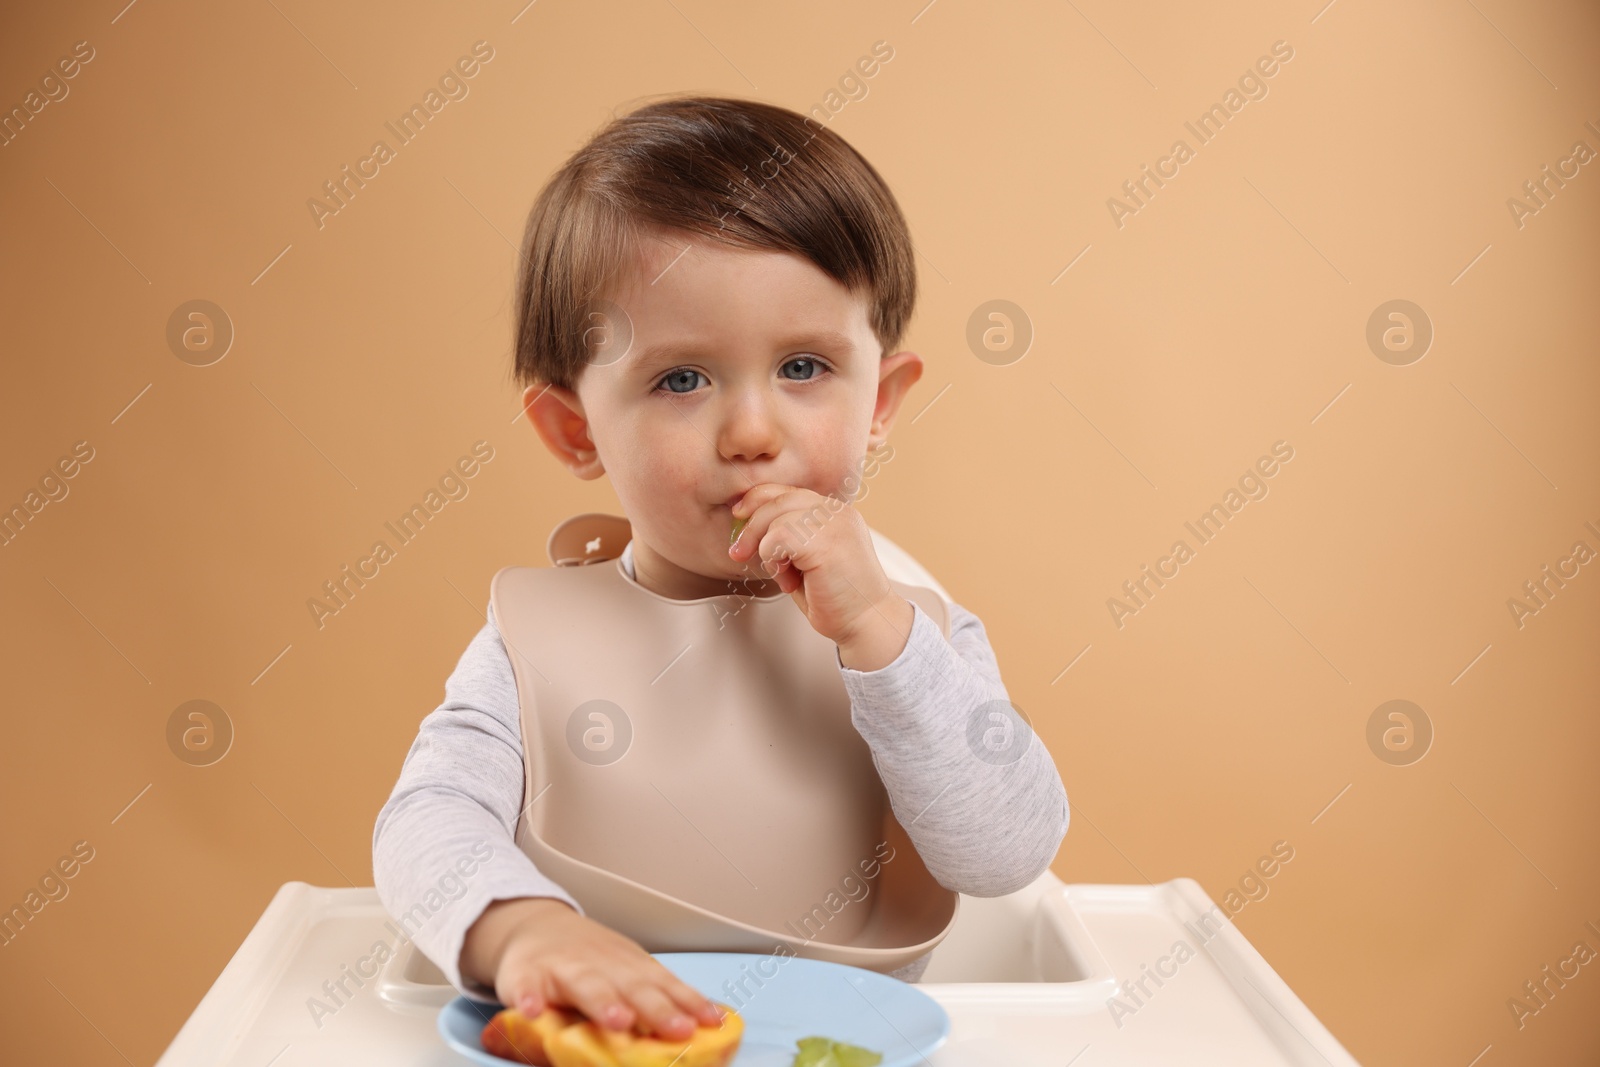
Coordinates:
(1040, 978)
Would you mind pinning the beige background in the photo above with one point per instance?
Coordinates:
(1228, 314)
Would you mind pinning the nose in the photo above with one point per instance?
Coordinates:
(749, 428)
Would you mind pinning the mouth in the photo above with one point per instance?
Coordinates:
(732, 500)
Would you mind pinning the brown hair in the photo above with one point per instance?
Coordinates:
(748, 174)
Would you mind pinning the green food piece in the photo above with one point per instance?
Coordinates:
(823, 1052)
(738, 524)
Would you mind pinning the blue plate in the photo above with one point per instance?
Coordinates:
(782, 999)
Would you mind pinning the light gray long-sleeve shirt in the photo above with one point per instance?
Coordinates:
(984, 820)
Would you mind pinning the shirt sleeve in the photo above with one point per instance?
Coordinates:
(443, 848)
(973, 785)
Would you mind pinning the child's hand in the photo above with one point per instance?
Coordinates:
(819, 550)
(542, 953)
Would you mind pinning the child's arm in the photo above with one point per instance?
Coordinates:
(442, 848)
(448, 870)
(985, 823)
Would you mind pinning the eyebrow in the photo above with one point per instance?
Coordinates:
(674, 351)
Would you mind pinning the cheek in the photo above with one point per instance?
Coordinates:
(836, 455)
(651, 459)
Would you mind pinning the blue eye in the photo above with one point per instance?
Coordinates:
(687, 376)
(813, 362)
(678, 376)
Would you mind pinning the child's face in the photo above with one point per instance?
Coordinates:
(773, 375)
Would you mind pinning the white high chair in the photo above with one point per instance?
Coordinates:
(1036, 978)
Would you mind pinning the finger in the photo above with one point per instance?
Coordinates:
(777, 550)
(761, 540)
(658, 1014)
(520, 990)
(595, 996)
(757, 495)
(691, 1000)
(739, 547)
(760, 507)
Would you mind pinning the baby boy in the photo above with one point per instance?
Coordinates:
(711, 296)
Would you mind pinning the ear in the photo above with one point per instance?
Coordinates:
(557, 415)
(896, 375)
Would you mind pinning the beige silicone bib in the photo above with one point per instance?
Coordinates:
(692, 775)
